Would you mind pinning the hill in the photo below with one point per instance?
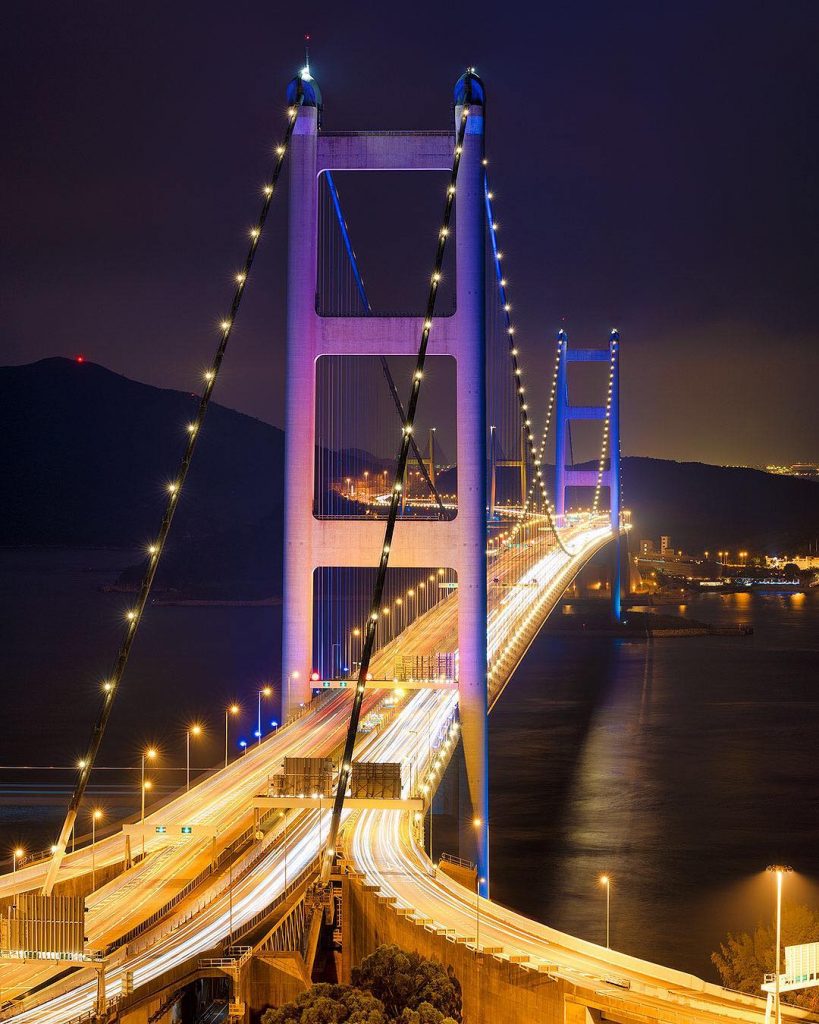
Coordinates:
(86, 453)
(706, 507)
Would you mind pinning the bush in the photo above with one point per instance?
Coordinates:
(409, 981)
(390, 987)
(330, 1004)
(744, 959)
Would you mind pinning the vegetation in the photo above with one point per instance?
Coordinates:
(743, 960)
(409, 981)
(390, 987)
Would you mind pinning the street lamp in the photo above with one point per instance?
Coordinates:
(96, 815)
(16, 854)
(265, 691)
(779, 870)
(193, 730)
(149, 755)
(232, 710)
(476, 824)
(481, 881)
(605, 881)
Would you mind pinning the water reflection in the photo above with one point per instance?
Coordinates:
(681, 766)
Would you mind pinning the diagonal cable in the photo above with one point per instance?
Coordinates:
(134, 615)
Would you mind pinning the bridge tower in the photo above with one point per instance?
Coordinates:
(609, 414)
(459, 543)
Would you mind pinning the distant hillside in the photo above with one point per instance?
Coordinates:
(711, 507)
(86, 454)
(704, 507)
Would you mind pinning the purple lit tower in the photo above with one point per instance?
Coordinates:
(460, 544)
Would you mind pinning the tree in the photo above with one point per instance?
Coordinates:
(743, 960)
(425, 1014)
(407, 981)
(330, 1004)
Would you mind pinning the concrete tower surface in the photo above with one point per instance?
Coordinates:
(460, 543)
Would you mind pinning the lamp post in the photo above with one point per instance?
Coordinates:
(193, 730)
(96, 815)
(265, 691)
(605, 881)
(481, 881)
(477, 823)
(285, 849)
(232, 710)
(149, 755)
(779, 870)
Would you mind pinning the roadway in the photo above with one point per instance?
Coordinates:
(221, 804)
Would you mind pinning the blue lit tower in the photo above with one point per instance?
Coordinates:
(609, 414)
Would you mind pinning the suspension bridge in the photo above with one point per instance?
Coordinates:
(413, 587)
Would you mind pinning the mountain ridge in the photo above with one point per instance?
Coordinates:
(87, 453)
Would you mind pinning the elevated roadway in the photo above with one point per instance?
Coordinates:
(383, 846)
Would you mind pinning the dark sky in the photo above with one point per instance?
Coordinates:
(655, 164)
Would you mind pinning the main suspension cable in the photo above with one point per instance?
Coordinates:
(517, 373)
(134, 615)
(604, 443)
(395, 499)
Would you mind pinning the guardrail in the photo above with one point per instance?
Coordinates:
(461, 862)
(237, 957)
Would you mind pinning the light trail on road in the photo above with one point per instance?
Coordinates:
(223, 801)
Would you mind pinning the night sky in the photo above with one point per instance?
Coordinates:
(656, 169)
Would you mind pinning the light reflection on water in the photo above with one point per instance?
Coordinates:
(681, 768)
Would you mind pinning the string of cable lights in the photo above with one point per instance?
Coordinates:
(517, 371)
(395, 498)
(134, 615)
(604, 447)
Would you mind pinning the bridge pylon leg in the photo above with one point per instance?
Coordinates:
(614, 477)
(472, 483)
(297, 609)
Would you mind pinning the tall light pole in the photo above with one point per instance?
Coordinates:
(16, 854)
(481, 881)
(476, 824)
(232, 710)
(779, 870)
(149, 755)
(193, 730)
(96, 815)
(284, 812)
(605, 881)
(265, 691)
